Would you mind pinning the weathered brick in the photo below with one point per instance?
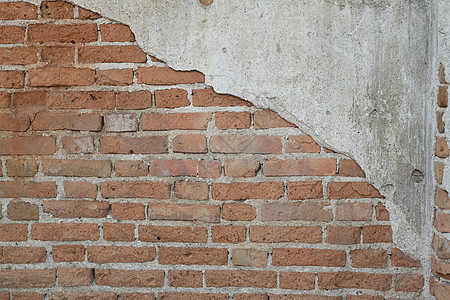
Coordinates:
(167, 76)
(120, 122)
(80, 190)
(67, 121)
(13, 279)
(439, 268)
(442, 222)
(281, 234)
(442, 150)
(171, 98)
(241, 278)
(111, 54)
(54, 77)
(185, 278)
(22, 167)
(364, 297)
(353, 190)
(400, 259)
(78, 145)
(228, 234)
(118, 232)
(357, 280)
(128, 211)
(440, 291)
(4, 296)
(75, 276)
(377, 234)
(300, 190)
(137, 296)
(12, 79)
(18, 56)
(27, 189)
(189, 296)
(134, 100)
(13, 232)
(357, 211)
(68, 253)
(191, 190)
(61, 33)
(381, 212)
(115, 77)
(64, 232)
(192, 256)
(293, 167)
(76, 167)
(169, 168)
(128, 145)
(251, 297)
(241, 168)
(441, 246)
(135, 189)
(439, 171)
(113, 254)
(14, 122)
(82, 100)
(247, 190)
(18, 11)
(257, 144)
(442, 100)
(442, 199)
(184, 212)
(129, 278)
(76, 208)
(343, 235)
(440, 122)
(369, 258)
(27, 296)
(116, 33)
(12, 34)
(22, 255)
(301, 144)
(249, 258)
(208, 97)
(58, 55)
(179, 234)
(408, 282)
(269, 119)
(238, 212)
(183, 121)
(85, 14)
(301, 211)
(83, 295)
(57, 10)
(5, 100)
(194, 143)
(22, 211)
(349, 168)
(297, 281)
(233, 120)
(131, 168)
(209, 169)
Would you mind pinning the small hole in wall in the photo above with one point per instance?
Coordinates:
(417, 176)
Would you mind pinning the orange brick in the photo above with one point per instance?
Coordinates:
(292, 167)
(172, 234)
(27, 279)
(118, 232)
(58, 55)
(228, 234)
(349, 168)
(111, 54)
(171, 98)
(194, 143)
(192, 256)
(116, 33)
(113, 254)
(189, 296)
(343, 235)
(352, 190)
(208, 97)
(241, 278)
(67, 121)
(443, 96)
(80, 190)
(18, 11)
(358, 211)
(22, 255)
(64, 232)
(128, 211)
(170, 168)
(22, 211)
(27, 189)
(365, 281)
(369, 258)
(381, 212)
(238, 212)
(241, 168)
(75, 276)
(184, 212)
(269, 119)
(183, 121)
(68, 253)
(191, 190)
(377, 234)
(12, 34)
(167, 76)
(82, 100)
(59, 33)
(76, 208)
(247, 190)
(297, 281)
(115, 77)
(13, 232)
(301, 144)
(18, 56)
(76, 167)
(232, 120)
(400, 259)
(78, 145)
(300, 211)
(135, 189)
(131, 168)
(52, 77)
(129, 278)
(129, 145)
(281, 234)
(257, 144)
(85, 14)
(14, 122)
(301, 190)
(134, 100)
(57, 10)
(408, 282)
(12, 79)
(185, 278)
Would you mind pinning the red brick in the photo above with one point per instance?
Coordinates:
(349, 168)
(185, 278)
(131, 168)
(308, 257)
(137, 296)
(183, 121)
(301, 144)
(13, 279)
(116, 33)
(257, 144)
(269, 119)
(238, 212)
(53, 77)
(27, 296)
(443, 96)
(440, 291)
(190, 296)
(297, 281)
(169, 168)
(358, 211)
(129, 278)
(76, 167)
(86, 14)
(118, 232)
(208, 97)
(115, 77)
(440, 269)
(29, 102)
(408, 282)
(78, 145)
(111, 54)
(251, 297)
(57, 10)
(80, 190)
(58, 55)
(68, 253)
(167, 76)
(18, 56)
(5, 100)
(381, 213)
(76, 208)
(64, 232)
(377, 234)
(301, 190)
(14, 122)
(12, 34)
(300, 211)
(112, 254)
(27, 189)
(128, 211)
(22, 255)
(353, 190)
(172, 234)
(209, 169)
(241, 168)
(194, 143)
(129, 145)
(441, 199)
(67, 121)
(343, 235)
(191, 190)
(228, 234)
(400, 259)
(12, 79)
(18, 11)
(247, 190)
(233, 120)
(82, 100)
(134, 100)
(442, 222)
(171, 98)
(184, 212)
(192, 256)
(365, 281)
(364, 297)
(13, 232)
(75, 276)
(369, 258)
(4, 295)
(59, 33)
(241, 278)
(135, 189)
(281, 234)
(22, 211)
(442, 150)
(83, 295)
(249, 258)
(292, 167)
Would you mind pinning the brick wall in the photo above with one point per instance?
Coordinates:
(121, 177)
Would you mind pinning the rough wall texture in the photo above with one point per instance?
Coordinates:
(121, 177)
